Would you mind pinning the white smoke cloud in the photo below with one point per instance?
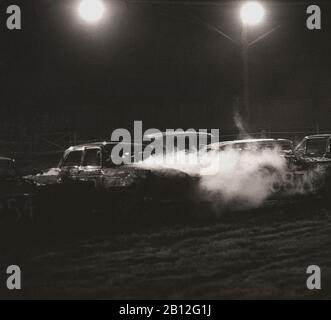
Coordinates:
(234, 179)
(245, 179)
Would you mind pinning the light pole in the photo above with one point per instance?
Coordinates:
(251, 13)
(245, 74)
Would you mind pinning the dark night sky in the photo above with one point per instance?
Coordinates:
(157, 63)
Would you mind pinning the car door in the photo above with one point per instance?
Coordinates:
(71, 164)
(90, 170)
(313, 161)
(300, 149)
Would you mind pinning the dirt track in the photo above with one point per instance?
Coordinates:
(258, 254)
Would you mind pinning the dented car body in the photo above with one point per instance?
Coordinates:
(90, 167)
(313, 157)
(315, 149)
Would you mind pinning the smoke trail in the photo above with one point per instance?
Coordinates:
(239, 179)
(229, 177)
(243, 132)
(245, 179)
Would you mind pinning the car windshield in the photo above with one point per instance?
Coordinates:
(316, 147)
(7, 168)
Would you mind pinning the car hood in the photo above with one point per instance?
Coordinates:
(137, 170)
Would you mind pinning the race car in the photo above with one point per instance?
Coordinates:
(87, 176)
(313, 158)
(307, 167)
(315, 149)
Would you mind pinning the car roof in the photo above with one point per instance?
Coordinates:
(326, 135)
(177, 133)
(6, 159)
(100, 144)
(229, 143)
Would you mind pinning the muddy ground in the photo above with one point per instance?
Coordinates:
(262, 253)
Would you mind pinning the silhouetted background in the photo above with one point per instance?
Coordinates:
(156, 62)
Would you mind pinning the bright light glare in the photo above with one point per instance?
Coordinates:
(91, 10)
(252, 13)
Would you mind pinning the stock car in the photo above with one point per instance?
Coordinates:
(87, 172)
(16, 195)
(314, 150)
(308, 168)
(313, 157)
